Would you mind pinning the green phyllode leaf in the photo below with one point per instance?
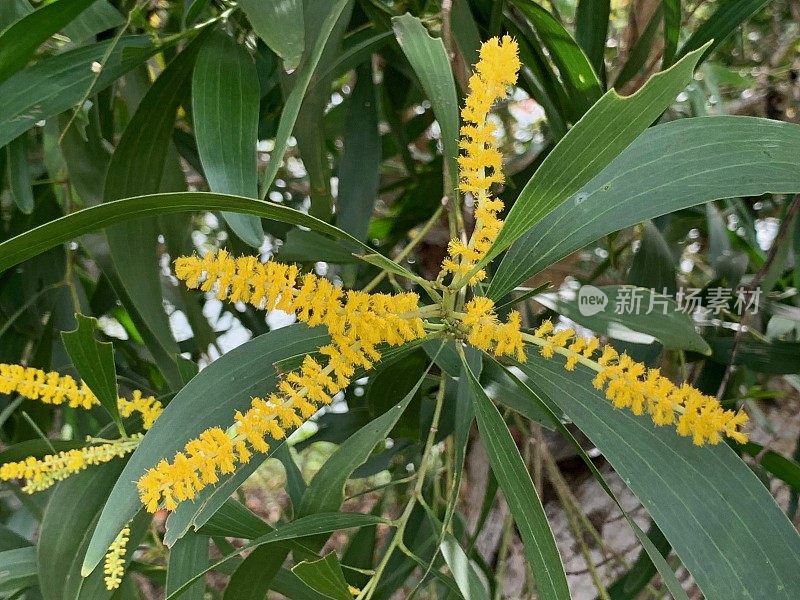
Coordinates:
(710, 506)
(225, 110)
(325, 576)
(521, 495)
(94, 362)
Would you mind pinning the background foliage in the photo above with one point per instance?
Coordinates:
(134, 132)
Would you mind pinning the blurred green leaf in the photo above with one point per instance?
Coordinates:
(56, 84)
(605, 131)
(672, 30)
(521, 495)
(291, 108)
(653, 265)
(325, 576)
(428, 58)
(727, 17)
(361, 158)
(638, 54)
(19, 175)
(785, 469)
(280, 25)
(20, 41)
(94, 362)
(225, 106)
(99, 17)
(19, 570)
(683, 486)
(581, 82)
(777, 357)
(591, 29)
(309, 246)
(671, 166)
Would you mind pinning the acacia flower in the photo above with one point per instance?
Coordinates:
(358, 323)
(481, 163)
(631, 385)
(40, 474)
(54, 388)
(114, 564)
(485, 331)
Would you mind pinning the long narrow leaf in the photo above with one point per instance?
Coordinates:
(521, 495)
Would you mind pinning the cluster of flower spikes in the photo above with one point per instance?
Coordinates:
(54, 388)
(631, 385)
(480, 165)
(358, 323)
(114, 563)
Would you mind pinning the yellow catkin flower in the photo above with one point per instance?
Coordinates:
(41, 473)
(54, 388)
(114, 564)
(631, 385)
(357, 322)
(481, 163)
(485, 331)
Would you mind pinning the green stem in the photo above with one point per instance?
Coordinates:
(408, 248)
(402, 521)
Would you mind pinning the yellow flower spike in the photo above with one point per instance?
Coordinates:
(485, 331)
(357, 322)
(481, 163)
(40, 474)
(54, 388)
(628, 384)
(114, 564)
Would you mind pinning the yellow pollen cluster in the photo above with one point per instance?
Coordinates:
(630, 384)
(358, 323)
(54, 388)
(40, 474)
(114, 564)
(486, 332)
(481, 163)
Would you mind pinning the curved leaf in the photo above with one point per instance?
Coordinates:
(601, 134)
(670, 166)
(580, 79)
(299, 528)
(726, 18)
(138, 166)
(291, 108)
(55, 84)
(41, 238)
